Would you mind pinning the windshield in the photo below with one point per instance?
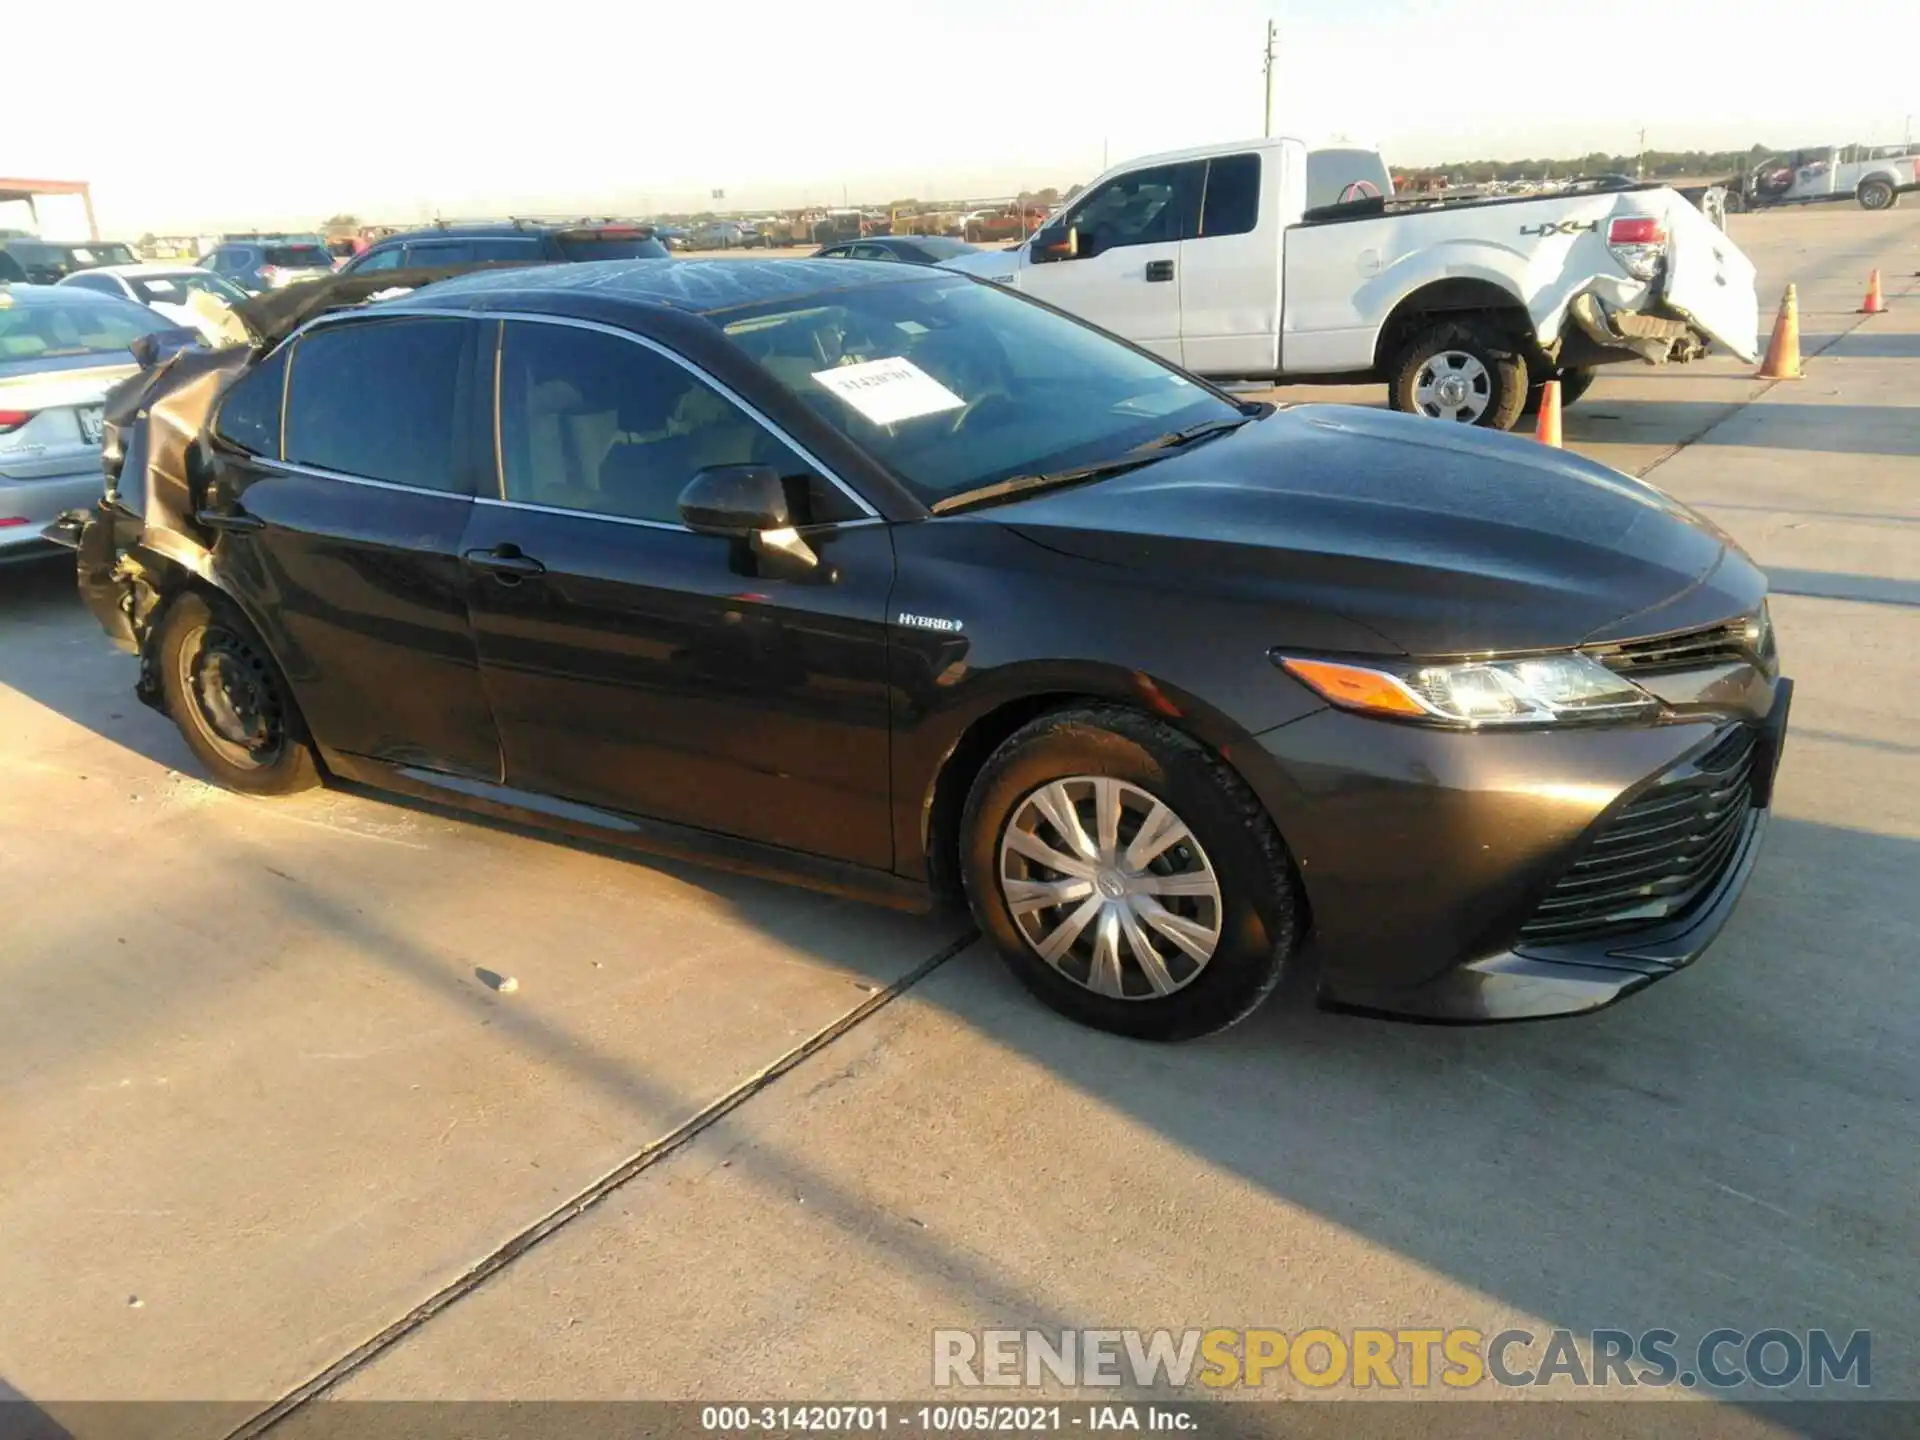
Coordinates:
(592, 246)
(174, 289)
(953, 385)
(82, 325)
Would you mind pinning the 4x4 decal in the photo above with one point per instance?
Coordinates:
(1562, 227)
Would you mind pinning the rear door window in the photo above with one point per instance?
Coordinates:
(608, 245)
(378, 399)
(387, 259)
(508, 248)
(249, 417)
(1231, 205)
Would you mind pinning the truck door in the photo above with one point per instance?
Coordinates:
(1230, 271)
(1113, 257)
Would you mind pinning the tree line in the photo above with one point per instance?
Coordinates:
(1659, 164)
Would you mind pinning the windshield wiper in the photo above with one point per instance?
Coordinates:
(1142, 454)
(1049, 480)
(1205, 430)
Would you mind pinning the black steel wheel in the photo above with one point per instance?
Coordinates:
(229, 699)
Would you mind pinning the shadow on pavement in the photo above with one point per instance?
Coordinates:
(1834, 585)
(1840, 429)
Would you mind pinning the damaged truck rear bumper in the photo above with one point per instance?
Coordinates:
(1604, 336)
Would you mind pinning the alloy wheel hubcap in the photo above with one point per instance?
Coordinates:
(1453, 385)
(1110, 887)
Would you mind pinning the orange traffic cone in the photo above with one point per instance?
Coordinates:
(1783, 353)
(1875, 302)
(1548, 430)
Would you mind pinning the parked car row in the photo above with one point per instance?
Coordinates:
(1158, 682)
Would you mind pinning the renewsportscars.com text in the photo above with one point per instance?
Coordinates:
(1402, 1358)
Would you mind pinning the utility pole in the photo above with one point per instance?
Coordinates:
(1640, 160)
(1273, 42)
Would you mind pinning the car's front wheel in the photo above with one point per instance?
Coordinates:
(1462, 372)
(226, 694)
(1129, 878)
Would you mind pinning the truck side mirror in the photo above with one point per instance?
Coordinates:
(1057, 244)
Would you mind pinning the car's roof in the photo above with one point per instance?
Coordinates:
(531, 228)
(18, 294)
(701, 287)
(148, 267)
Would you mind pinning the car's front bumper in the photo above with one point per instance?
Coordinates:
(1425, 854)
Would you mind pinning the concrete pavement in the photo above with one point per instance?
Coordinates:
(264, 1118)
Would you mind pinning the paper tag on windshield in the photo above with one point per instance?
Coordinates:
(888, 390)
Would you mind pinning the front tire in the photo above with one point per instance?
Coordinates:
(1461, 372)
(1876, 195)
(229, 699)
(1129, 878)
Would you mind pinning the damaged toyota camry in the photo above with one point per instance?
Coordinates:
(893, 583)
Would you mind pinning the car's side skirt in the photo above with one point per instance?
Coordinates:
(632, 832)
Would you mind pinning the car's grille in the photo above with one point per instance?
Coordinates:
(1654, 859)
(1715, 645)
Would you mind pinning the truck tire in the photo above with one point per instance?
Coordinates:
(1573, 384)
(1460, 371)
(1876, 195)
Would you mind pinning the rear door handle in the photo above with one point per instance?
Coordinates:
(1159, 270)
(230, 520)
(506, 564)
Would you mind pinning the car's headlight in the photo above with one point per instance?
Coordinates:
(1541, 690)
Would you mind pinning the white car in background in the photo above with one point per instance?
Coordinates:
(165, 288)
(61, 351)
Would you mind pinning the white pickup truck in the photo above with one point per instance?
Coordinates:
(1267, 261)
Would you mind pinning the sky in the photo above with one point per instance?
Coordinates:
(575, 107)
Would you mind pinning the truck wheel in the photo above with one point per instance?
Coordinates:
(1128, 877)
(1573, 384)
(227, 696)
(1461, 372)
(1876, 195)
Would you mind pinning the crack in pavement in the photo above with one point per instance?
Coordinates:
(585, 1200)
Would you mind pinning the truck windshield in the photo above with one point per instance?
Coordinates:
(953, 384)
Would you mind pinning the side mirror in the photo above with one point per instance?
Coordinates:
(748, 503)
(1057, 244)
(735, 500)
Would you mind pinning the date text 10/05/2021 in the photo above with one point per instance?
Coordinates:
(946, 1419)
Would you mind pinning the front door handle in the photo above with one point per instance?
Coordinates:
(229, 520)
(1159, 270)
(506, 564)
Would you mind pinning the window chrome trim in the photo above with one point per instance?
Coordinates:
(317, 473)
(669, 525)
(499, 448)
(713, 382)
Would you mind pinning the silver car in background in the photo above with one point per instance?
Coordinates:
(61, 350)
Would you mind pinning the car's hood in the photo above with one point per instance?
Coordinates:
(1441, 539)
(997, 265)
